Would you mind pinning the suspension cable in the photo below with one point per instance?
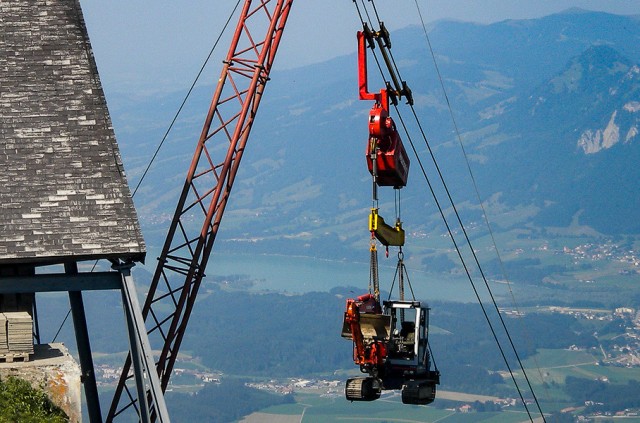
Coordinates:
(466, 269)
(381, 25)
(472, 176)
(480, 202)
(184, 101)
(457, 247)
(61, 326)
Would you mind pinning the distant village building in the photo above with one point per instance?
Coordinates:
(466, 408)
(620, 311)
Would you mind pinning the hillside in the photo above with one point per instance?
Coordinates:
(577, 155)
(304, 187)
(548, 113)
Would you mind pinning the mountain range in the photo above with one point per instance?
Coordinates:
(547, 110)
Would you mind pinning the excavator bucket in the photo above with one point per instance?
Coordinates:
(372, 326)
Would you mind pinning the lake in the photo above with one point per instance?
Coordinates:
(297, 274)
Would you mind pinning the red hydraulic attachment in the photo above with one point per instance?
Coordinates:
(369, 355)
(182, 262)
(391, 159)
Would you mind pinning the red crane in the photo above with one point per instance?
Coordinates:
(207, 187)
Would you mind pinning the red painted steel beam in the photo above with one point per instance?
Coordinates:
(207, 187)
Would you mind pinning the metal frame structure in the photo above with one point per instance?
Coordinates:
(74, 283)
(65, 198)
(207, 187)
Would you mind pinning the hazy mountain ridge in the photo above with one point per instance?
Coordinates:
(524, 53)
(587, 108)
(304, 183)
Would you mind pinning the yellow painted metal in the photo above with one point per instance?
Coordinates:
(387, 235)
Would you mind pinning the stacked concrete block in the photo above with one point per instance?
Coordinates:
(18, 334)
(4, 346)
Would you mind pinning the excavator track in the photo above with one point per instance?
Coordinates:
(363, 389)
(418, 392)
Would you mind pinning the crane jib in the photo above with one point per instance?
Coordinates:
(183, 260)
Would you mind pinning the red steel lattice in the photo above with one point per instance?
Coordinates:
(207, 188)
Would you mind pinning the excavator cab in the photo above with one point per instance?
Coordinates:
(408, 363)
(406, 327)
(391, 346)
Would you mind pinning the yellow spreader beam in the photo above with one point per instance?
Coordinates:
(387, 235)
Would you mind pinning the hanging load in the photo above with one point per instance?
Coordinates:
(386, 149)
(386, 155)
(391, 346)
(390, 342)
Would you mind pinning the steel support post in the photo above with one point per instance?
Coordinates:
(84, 349)
(142, 358)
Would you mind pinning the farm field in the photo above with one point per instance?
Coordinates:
(548, 371)
(311, 408)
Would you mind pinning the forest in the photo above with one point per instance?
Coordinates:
(278, 335)
(257, 335)
(240, 332)
(227, 402)
(602, 396)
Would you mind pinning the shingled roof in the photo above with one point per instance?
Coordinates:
(63, 192)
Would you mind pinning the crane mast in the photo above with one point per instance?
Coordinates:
(206, 190)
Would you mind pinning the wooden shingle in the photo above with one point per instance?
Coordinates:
(63, 191)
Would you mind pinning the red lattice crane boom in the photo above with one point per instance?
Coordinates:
(207, 187)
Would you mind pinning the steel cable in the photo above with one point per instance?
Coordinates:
(484, 212)
(449, 230)
(184, 101)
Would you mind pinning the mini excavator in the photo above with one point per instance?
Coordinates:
(390, 341)
(391, 346)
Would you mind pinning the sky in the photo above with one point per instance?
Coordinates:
(143, 47)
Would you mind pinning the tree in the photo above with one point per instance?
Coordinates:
(19, 402)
